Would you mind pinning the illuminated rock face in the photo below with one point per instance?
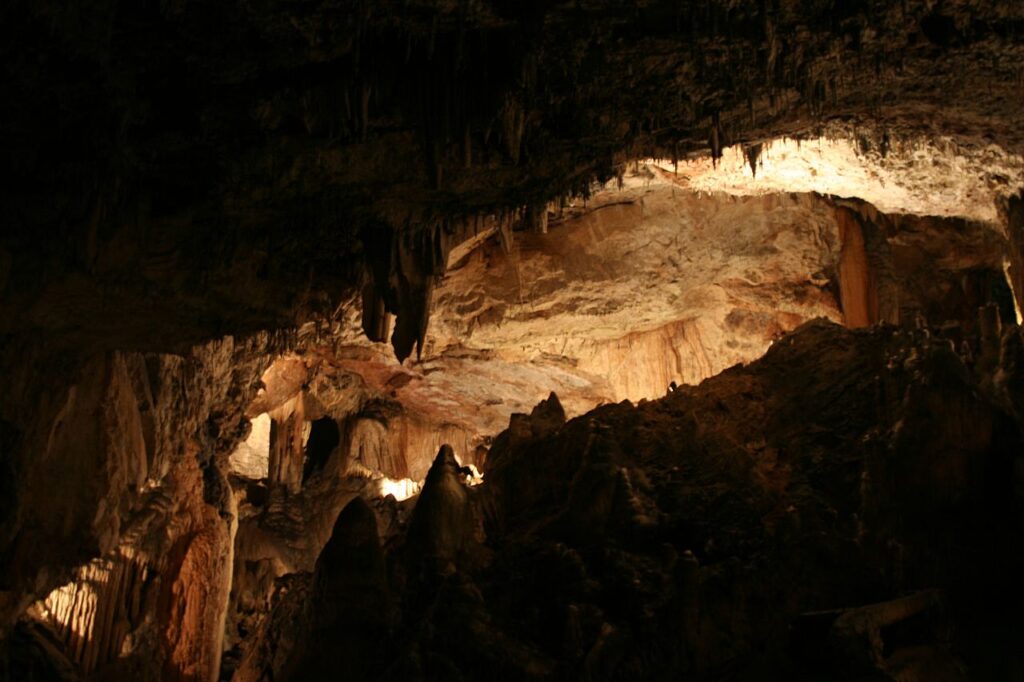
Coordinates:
(652, 285)
(649, 285)
(644, 287)
(252, 456)
(95, 613)
(923, 175)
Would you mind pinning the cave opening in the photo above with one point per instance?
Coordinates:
(324, 436)
(541, 341)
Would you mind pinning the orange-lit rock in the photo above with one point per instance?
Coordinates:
(156, 516)
(858, 295)
(633, 264)
(652, 284)
(646, 286)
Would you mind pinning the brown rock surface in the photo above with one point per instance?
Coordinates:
(726, 530)
(184, 178)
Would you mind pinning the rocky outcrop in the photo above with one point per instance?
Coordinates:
(841, 504)
(442, 525)
(707, 502)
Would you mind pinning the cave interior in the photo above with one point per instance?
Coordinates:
(526, 340)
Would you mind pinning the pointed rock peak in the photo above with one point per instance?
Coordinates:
(349, 590)
(550, 406)
(375, 317)
(441, 522)
(444, 462)
(547, 416)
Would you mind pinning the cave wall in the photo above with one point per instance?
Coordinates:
(116, 461)
(645, 286)
(179, 172)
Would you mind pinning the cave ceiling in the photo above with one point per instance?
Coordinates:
(181, 171)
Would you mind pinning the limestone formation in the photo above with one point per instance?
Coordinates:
(531, 340)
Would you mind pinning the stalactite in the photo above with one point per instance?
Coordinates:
(753, 153)
(286, 447)
(348, 110)
(715, 139)
(537, 218)
(513, 124)
(402, 267)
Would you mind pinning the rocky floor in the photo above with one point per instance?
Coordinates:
(844, 508)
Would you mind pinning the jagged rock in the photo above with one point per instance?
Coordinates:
(547, 417)
(740, 474)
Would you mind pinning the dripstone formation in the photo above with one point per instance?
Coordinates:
(336, 340)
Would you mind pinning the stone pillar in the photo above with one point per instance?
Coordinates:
(1014, 216)
(286, 450)
(857, 293)
(869, 293)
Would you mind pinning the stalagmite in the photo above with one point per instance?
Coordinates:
(441, 524)
(349, 609)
